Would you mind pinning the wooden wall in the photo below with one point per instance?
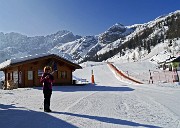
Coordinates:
(29, 73)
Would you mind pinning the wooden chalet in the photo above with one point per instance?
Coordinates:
(171, 63)
(27, 71)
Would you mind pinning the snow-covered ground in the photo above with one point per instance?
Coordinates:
(110, 103)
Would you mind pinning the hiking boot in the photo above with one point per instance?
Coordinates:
(47, 110)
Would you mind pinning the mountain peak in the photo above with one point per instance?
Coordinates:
(118, 27)
(119, 24)
(62, 32)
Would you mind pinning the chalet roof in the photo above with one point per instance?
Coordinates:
(171, 59)
(15, 61)
(177, 59)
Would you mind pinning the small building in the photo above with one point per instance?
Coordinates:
(170, 64)
(27, 71)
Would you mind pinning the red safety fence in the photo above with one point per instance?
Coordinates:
(121, 74)
(148, 77)
(152, 76)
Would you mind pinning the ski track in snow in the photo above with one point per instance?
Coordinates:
(108, 104)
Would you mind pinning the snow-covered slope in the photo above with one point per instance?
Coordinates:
(159, 53)
(159, 27)
(76, 49)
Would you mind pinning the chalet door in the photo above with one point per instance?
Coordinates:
(30, 76)
(34, 78)
(20, 79)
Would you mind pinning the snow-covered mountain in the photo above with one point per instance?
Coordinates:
(76, 49)
(119, 41)
(161, 35)
(141, 39)
(127, 42)
(14, 45)
(88, 46)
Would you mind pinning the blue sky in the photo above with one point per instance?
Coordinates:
(83, 17)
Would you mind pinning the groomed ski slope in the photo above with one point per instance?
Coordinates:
(109, 103)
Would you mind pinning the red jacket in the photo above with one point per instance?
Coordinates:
(47, 82)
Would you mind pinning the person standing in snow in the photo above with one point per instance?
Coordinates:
(47, 80)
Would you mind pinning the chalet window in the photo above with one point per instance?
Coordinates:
(40, 72)
(63, 74)
(20, 77)
(15, 76)
(30, 75)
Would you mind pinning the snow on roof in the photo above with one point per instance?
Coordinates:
(176, 59)
(21, 59)
(171, 59)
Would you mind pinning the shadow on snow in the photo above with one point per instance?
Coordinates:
(13, 117)
(109, 120)
(89, 87)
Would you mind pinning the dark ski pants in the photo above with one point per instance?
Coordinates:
(47, 98)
